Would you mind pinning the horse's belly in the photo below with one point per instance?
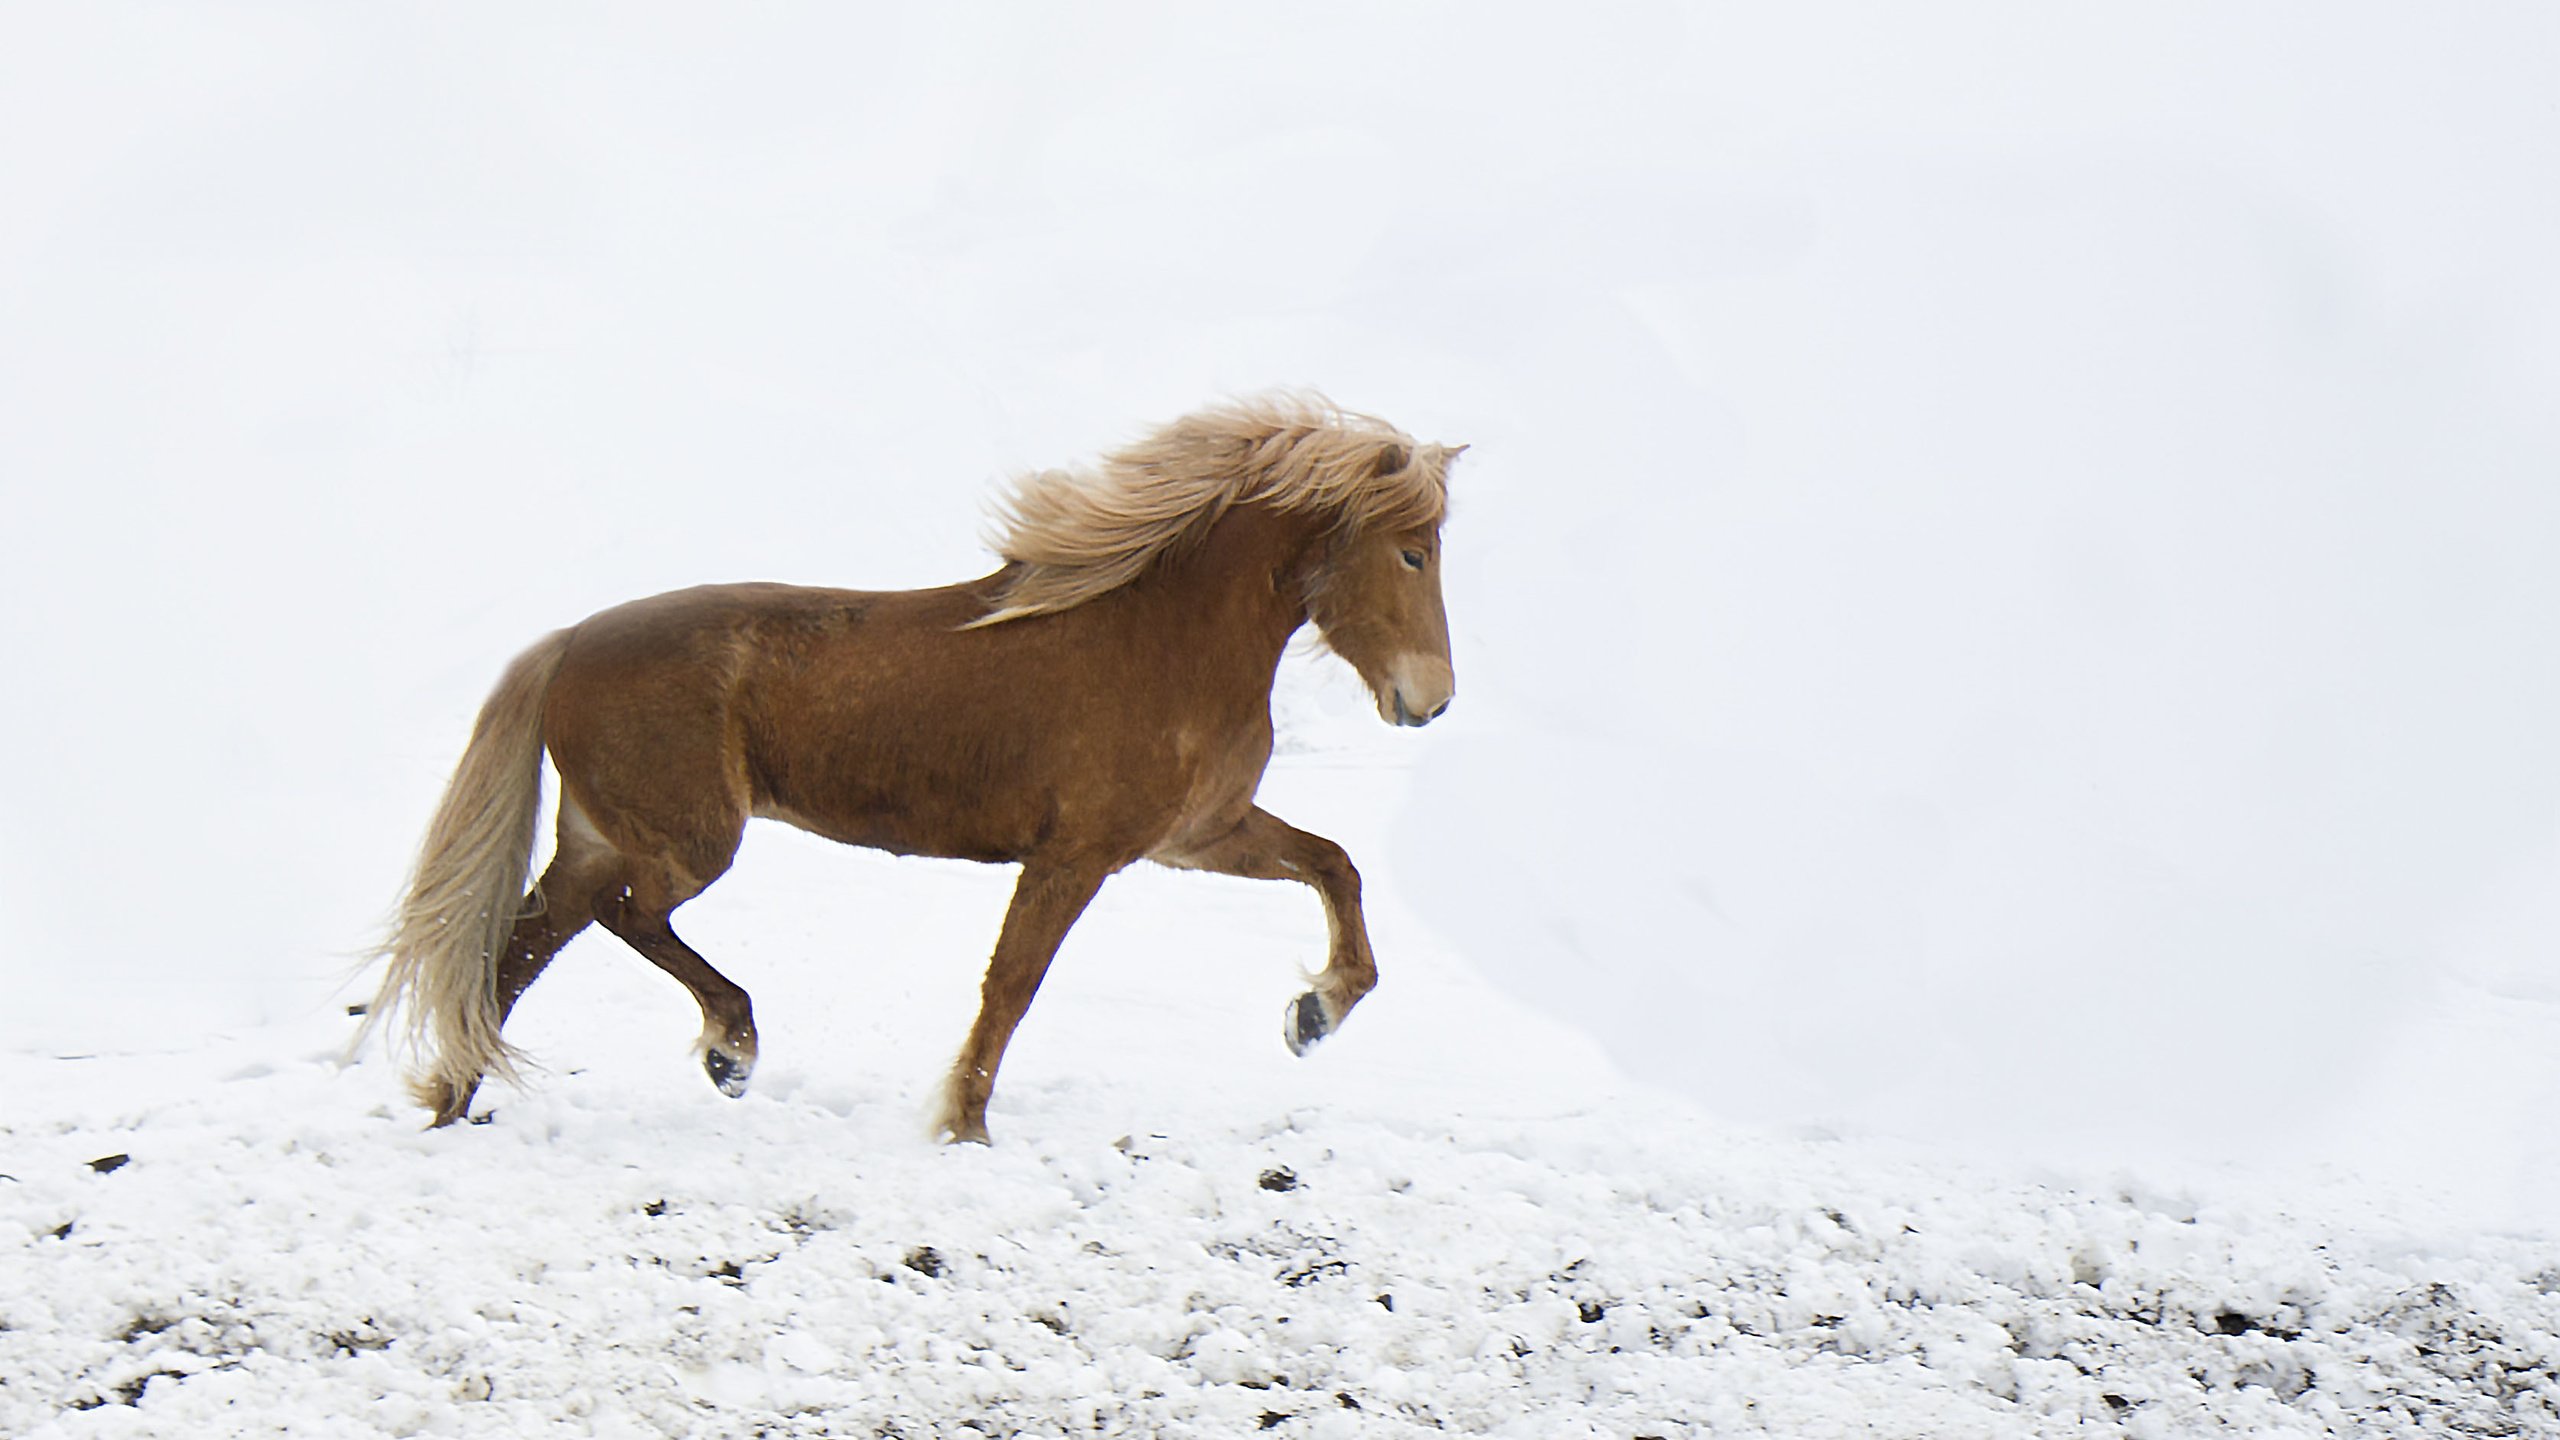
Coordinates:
(900, 834)
(1104, 790)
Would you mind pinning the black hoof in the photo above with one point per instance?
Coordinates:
(1307, 1024)
(725, 1073)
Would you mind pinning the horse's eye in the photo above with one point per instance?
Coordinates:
(1413, 558)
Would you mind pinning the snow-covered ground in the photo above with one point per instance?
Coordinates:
(1998, 847)
(1455, 1218)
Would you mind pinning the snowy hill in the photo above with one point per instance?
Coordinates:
(1453, 1219)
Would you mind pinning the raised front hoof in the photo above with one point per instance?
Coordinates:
(1306, 1024)
(728, 1072)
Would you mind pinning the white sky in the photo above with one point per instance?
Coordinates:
(2005, 589)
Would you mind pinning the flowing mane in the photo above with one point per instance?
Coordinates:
(1072, 535)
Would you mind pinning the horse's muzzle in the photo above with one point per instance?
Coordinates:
(1404, 716)
(1418, 690)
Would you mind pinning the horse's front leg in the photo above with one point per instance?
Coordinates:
(1264, 847)
(1046, 901)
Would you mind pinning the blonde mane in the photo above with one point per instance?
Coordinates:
(1072, 535)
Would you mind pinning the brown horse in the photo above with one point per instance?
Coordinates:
(1101, 699)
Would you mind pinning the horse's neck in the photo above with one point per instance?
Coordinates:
(1242, 592)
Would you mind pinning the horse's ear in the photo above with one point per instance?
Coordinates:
(1393, 457)
(1452, 452)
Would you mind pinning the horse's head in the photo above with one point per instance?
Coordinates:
(1376, 601)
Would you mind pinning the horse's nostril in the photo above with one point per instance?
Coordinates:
(1438, 710)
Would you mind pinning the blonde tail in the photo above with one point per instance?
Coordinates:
(441, 986)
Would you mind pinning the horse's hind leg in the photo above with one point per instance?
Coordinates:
(637, 913)
(537, 937)
(1265, 847)
(561, 905)
(640, 724)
